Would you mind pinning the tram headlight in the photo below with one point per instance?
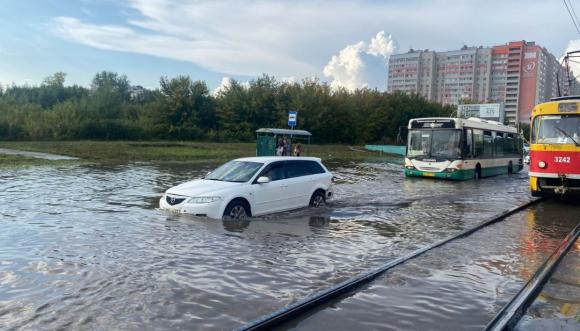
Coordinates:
(410, 167)
(542, 164)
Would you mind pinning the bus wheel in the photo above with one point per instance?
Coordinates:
(477, 175)
(510, 169)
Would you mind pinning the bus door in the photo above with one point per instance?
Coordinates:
(467, 144)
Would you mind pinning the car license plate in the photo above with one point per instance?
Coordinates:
(428, 174)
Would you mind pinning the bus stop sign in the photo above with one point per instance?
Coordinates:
(292, 115)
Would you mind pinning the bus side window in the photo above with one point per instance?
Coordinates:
(487, 144)
(468, 144)
(509, 145)
(477, 143)
(499, 144)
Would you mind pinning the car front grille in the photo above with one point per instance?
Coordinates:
(173, 200)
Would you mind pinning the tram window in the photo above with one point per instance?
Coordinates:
(477, 143)
(557, 129)
(487, 144)
(468, 144)
(534, 129)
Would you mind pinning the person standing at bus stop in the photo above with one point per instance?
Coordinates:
(286, 144)
(280, 147)
(297, 149)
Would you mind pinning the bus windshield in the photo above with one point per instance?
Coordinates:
(437, 144)
(556, 129)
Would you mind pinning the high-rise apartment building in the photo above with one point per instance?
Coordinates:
(519, 74)
(413, 72)
(463, 74)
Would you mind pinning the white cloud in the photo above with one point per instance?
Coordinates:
(382, 45)
(225, 84)
(573, 45)
(362, 65)
(237, 59)
(296, 38)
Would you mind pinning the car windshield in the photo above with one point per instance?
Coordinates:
(434, 144)
(235, 171)
(557, 129)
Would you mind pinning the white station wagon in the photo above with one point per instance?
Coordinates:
(253, 186)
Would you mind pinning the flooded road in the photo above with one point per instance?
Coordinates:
(557, 307)
(84, 247)
(37, 155)
(461, 285)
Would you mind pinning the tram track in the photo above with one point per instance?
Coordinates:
(309, 303)
(508, 317)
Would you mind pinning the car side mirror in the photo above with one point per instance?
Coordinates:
(263, 180)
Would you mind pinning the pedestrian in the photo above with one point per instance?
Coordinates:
(286, 143)
(297, 149)
(280, 147)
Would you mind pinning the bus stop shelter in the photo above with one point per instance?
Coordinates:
(267, 139)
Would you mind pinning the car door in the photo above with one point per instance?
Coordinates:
(300, 183)
(270, 197)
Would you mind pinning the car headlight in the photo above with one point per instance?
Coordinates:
(200, 200)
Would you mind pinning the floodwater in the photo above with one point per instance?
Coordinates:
(84, 247)
(558, 305)
(37, 155)
(461, 285)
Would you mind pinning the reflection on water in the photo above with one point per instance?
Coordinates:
(85, 247)
(464, 283)
(558, 305)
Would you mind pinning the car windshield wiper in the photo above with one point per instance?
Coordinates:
(567, 135)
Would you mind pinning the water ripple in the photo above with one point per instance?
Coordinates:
(84, 247)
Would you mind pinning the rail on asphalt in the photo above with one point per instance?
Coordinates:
(509, 316)
(302, 306)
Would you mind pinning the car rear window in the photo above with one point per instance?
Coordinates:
(315, 167)
(303, 168)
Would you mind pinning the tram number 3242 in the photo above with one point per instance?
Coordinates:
(562, 159)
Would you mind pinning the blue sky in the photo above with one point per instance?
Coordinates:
(343, 42)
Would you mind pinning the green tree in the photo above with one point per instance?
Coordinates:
(111, 83)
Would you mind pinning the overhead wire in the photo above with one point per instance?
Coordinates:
(573, 11)
(571, 16)
(576, 22)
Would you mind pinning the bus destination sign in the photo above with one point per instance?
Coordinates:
(567, 107)
(433, 124)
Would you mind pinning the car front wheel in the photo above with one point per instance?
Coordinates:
(236, 210)
(318, 200)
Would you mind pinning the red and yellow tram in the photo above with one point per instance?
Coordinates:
(555, 147)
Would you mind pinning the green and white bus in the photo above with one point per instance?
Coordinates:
(458, 148)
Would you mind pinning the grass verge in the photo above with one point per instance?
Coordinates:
(165, 151)
(17, 161)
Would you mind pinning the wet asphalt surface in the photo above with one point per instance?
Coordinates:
(84, 247)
